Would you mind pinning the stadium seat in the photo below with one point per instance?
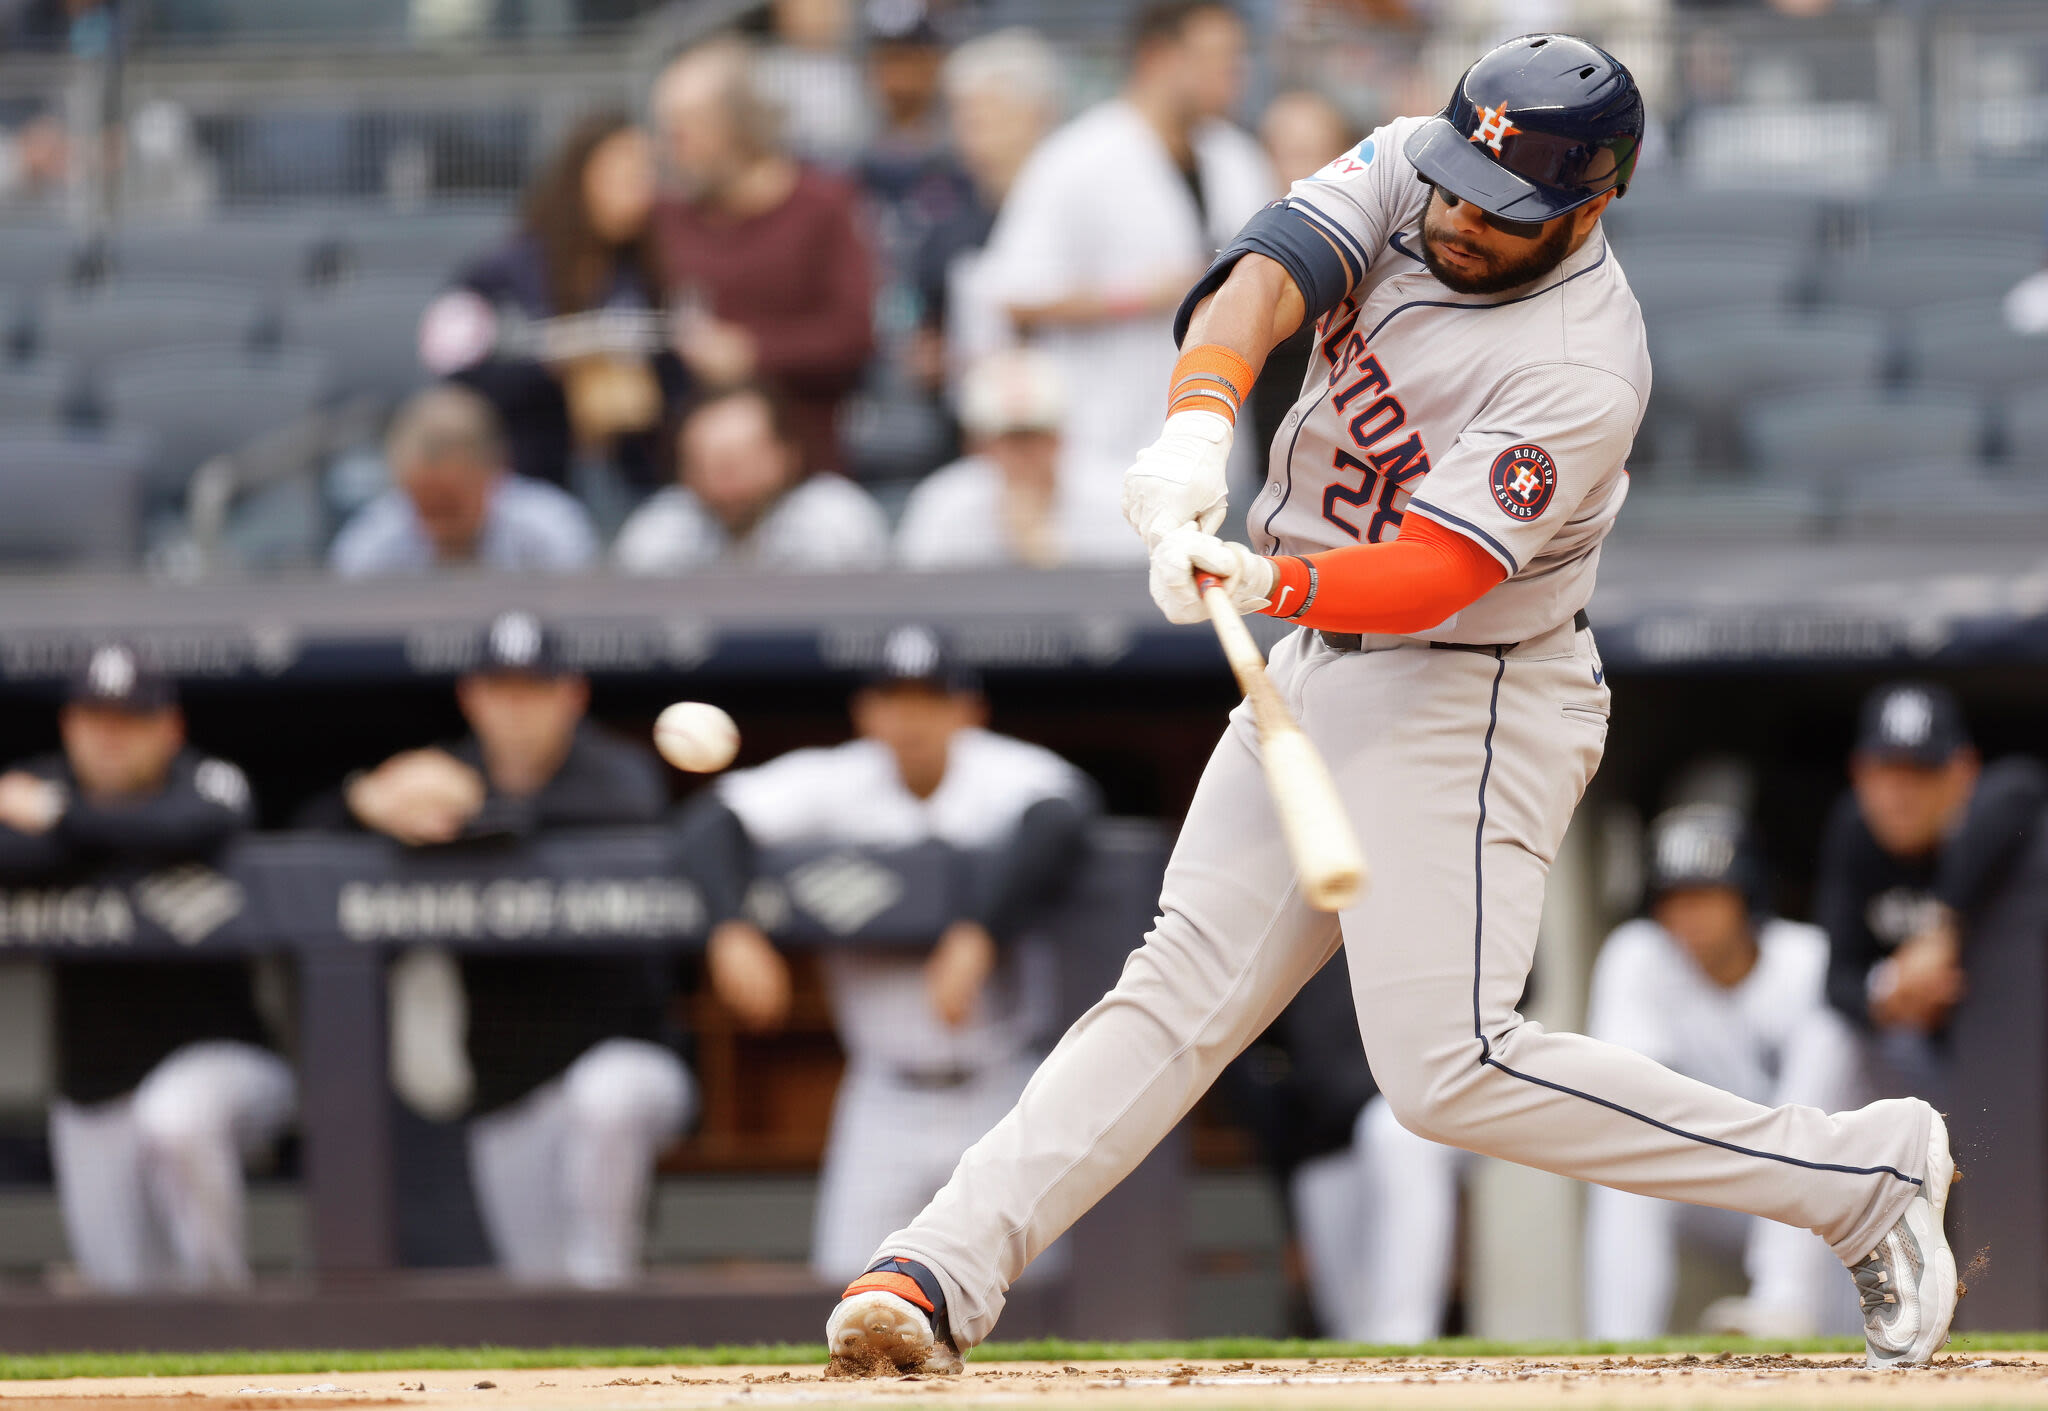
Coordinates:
(1709, 365)
(1896, 276)
(36, 257)
(1647, 215)
(1969, 345)
(72, 501)
(1674, 279)
(274, 253)
(434, 245)
(40, 393)
(108, 321)
(2024, 427)
(2018, 210)
(369, 331)
(1941, 496)
(1818, 434)
(198, 402)
(1790, 142)
(1731, 506)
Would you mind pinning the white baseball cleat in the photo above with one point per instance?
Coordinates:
(891, 1320)
(1908, 1283)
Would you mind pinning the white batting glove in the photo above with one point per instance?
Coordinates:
(1185, 551)
(1181, 478)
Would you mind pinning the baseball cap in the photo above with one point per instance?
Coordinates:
(520, 642)
(116, 675)
(1017, 389)
(1912, 722)
(1704, 845)
(902, 22)
(917, 655)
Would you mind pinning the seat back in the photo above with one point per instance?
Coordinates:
(72, 501)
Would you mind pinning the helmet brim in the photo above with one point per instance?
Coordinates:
(1448, 158)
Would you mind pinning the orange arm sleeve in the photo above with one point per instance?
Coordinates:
(1409, 585)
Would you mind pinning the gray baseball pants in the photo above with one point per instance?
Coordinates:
(1461, 769)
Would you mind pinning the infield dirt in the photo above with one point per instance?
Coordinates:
(1753, 1382)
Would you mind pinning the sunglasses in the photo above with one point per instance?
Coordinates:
(1520, 229)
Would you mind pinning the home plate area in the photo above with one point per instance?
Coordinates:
(1744, 1380)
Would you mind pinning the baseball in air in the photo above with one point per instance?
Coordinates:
(696, 737)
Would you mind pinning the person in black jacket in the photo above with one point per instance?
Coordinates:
(569, 1061)
(165, 1077)
(583, 247)
(1923, 839)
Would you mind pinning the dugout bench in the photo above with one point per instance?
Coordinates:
(338, 906)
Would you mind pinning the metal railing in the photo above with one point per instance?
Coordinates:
(391, 109)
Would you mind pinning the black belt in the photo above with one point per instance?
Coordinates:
(935, 1079)
(1351, 641)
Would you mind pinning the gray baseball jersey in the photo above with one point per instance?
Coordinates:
(1504, 417)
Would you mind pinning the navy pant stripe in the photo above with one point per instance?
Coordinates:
(1486, 1058)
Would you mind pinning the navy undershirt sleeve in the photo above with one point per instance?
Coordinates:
(1285, 234)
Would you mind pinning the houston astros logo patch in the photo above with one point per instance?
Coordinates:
(1524, 479)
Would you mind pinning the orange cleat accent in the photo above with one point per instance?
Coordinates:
(885, 1281)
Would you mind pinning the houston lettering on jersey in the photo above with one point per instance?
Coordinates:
(1388, 464)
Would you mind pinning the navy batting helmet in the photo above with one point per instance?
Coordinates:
(1539, 126)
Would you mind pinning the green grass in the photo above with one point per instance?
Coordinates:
(443, 1359)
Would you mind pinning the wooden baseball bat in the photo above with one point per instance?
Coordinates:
(1319, 836)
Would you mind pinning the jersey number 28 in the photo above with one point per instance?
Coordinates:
(1375, 488)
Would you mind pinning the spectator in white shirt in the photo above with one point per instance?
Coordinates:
(453, 502)
(1002, 97)
(1011, 500)
(1712, 985)
(1116, 214)
(743, 498)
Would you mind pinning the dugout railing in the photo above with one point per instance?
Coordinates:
(339, 906)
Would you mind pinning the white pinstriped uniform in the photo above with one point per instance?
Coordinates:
(917, 1092)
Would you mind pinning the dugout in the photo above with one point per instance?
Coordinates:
(1757, 651)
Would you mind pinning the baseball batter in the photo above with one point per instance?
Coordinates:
(1433, 519)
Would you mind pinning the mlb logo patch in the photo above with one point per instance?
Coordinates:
(1524, 479)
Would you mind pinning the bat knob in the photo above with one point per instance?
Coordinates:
(1205, 581)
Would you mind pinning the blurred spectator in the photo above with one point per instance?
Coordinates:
(568, 389)
(808, 73)
(938, 1045)
(1010, 500)
(1712, 985)
(568, 1061)
(744, 498)
(1925, 837)
(908, 167)
(2026, 304)
(764, 258)
(35, 159)
(454, 504)
(913, 184)
(1303, 132)
(1113, 217)
(166, 1081)
(1002, 97)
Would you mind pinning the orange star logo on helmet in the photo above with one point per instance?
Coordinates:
(1493, 126)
